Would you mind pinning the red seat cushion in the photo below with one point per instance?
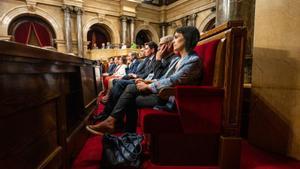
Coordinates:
(207, 53)
(158, 121)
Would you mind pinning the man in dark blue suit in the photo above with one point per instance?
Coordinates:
(111, 66)
(134, 63)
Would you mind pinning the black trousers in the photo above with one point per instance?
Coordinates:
(117, 90)
(127, 104)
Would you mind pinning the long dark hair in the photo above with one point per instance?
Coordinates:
(191, 35)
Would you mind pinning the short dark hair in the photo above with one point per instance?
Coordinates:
(134, 55)
(152, 45)
(191, 35)
(124, 60)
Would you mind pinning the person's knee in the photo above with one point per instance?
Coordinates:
(131, 88)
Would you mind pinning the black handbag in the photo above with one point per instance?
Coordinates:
(121, 151)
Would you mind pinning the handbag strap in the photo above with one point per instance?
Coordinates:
(119, 141)
(133, 155)
(132, 139)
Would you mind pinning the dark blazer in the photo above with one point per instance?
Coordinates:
(148, 67)
(111, 68)
(133, 67)
(161, 66)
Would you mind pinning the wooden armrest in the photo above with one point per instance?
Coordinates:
(229, 152)
(165, 93)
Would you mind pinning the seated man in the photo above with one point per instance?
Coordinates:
(185, 71)
(111, 65)
(163, 58)
(134, 63)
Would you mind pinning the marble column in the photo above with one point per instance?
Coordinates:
(79, 31)
(163, 27)
(67, 19)
(239, 10)
(124, 29)
(184, 21)
(192, 19)
(132, 20)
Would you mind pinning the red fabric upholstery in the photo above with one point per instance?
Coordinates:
(156, 121)
(207, 53)
(106, 81)
(199, 108)
(189, 136)
(43, 34)
(22, 33)
(197, 122)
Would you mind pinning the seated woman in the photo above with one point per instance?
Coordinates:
(183, 71)
(119, 72)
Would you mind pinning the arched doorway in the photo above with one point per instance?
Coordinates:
(210, 25)
(97, 35)
(142, 37)
(32, 30)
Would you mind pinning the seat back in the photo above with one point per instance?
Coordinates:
(201, 113)
(207, 53)
(222, 54)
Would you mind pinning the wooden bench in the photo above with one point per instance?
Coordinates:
(46, 97)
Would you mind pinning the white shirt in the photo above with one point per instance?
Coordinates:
(120, 70)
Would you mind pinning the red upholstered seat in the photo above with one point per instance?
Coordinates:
(178, 137)
(150, 120)
(207, 53)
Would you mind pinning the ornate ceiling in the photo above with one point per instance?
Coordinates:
(159, 2)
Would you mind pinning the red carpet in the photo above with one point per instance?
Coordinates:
(251, 158)
(254, 158)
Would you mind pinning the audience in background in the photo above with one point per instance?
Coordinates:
(183, 71)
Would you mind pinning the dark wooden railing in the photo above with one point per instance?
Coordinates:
(45, 100)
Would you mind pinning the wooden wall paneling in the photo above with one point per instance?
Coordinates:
(87, 85)
(97, 75)
(43, 112)
(28, 119)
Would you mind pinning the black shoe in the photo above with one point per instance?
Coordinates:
(100, 117)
